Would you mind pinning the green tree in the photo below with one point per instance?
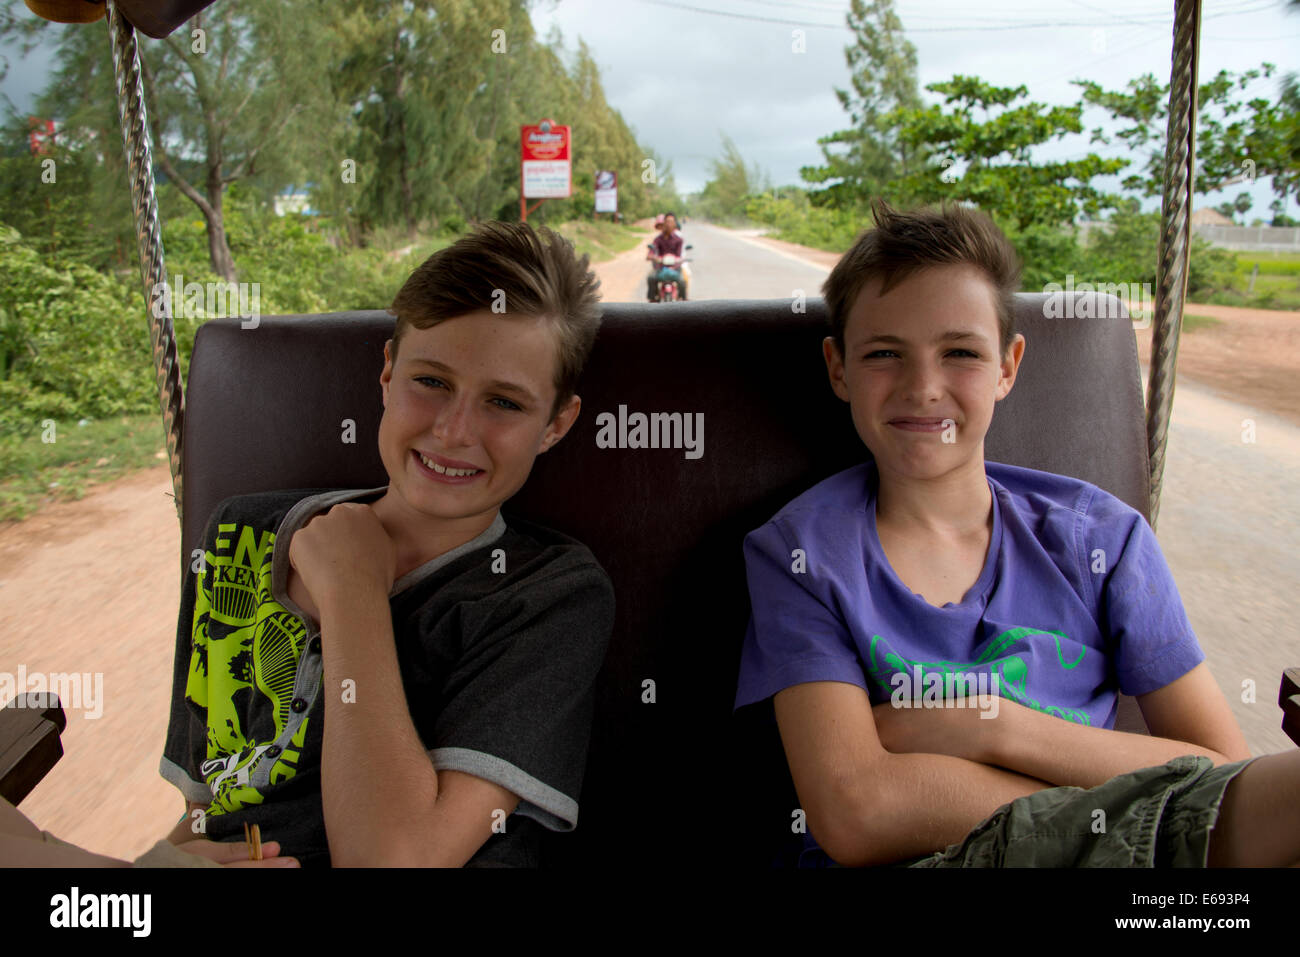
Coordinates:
(1238, 206)
(883, 63)
(1280, 218)
(413, 76)
(731, 181)
(983, 129)
(1236, 140)
(233, 94)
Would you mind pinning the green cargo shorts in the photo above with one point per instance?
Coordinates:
(1152, 817)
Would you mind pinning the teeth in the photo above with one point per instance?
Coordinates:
(454, 473)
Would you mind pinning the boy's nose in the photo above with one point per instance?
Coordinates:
(454, 423)
(922, 381)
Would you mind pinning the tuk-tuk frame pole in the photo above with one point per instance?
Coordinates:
(148, 233)
(1175, 238)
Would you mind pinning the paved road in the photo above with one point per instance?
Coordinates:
(729, 264)
(1229, 525)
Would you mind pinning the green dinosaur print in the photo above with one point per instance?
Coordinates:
(999, 656)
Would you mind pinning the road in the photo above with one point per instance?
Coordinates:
(92, 585)
(725, 264)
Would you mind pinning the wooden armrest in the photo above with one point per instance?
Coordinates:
(29, 742)
(1288, 698)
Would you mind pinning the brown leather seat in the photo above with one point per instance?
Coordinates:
(267, 408)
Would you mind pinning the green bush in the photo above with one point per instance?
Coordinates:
(793, 218)
(74, 343)
(299, 264)
(1048, 255)
(1129, 252)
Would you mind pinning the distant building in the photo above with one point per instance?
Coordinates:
(294, 200)
(1205, 216)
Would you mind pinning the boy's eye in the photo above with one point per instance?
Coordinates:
(433, 382)
(881, 354)
(964, 353)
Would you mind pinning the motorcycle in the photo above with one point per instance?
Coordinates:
(668, 275)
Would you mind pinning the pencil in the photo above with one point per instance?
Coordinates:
(253, 835)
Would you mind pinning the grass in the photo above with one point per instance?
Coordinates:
(1276, 287)
(34, 473)
(1276, 263)
(601, 239)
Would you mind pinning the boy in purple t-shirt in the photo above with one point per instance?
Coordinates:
(943, 637)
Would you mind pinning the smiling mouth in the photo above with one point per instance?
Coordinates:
(445, 470)
(922, 425)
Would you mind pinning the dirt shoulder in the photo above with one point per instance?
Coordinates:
(1251, 356)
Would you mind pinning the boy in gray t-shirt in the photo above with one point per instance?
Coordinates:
(396, 676)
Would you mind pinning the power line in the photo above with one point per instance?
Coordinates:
(1158, 20)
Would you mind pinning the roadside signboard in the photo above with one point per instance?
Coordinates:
(545, 168)
(606, 191)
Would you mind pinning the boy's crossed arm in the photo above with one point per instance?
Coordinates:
(1187, 716)
(882, 784)
(867, 806)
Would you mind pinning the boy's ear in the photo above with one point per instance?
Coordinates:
(835, 367)
(386, 377)
(1010, 366)
(561, 424)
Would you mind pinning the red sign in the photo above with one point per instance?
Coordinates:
(545, 141)
(545, 170)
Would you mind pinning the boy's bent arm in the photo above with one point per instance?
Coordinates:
(1187, 716)
(384, 803)
(866, 806)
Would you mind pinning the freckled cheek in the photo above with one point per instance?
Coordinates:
(510, 445)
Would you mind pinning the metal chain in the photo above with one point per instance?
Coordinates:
(1175, 239)
(148, 233)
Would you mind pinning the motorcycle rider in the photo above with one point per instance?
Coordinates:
(669, 241)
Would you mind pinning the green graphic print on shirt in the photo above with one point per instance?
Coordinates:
(246, 648)
(1002, 657)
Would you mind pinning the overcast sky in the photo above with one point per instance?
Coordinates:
(684, 71)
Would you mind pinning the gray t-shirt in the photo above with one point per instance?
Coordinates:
(498, 641)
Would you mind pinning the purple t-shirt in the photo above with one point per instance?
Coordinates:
(1074, 604)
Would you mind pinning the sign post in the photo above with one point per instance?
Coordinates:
(545, 168)
(607, 192)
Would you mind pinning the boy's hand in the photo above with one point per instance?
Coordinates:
(959, 732)
(235, 853)
(343, 552)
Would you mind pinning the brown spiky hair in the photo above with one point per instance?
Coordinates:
(902, 243)
(515, 270)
